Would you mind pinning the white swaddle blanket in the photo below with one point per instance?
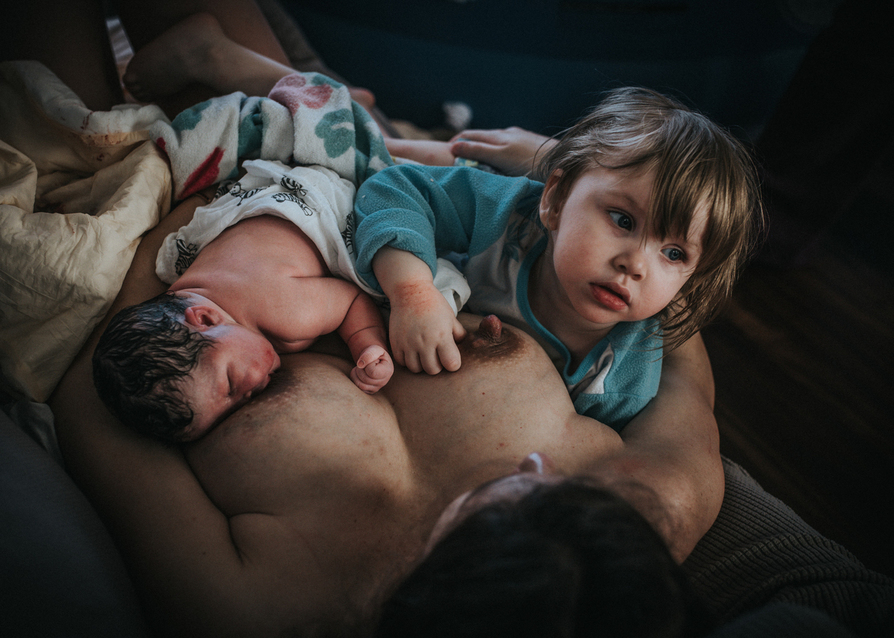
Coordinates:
(314, 198)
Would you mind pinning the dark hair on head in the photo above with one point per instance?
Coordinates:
(696, 163)
(569, 559)
(140, 362)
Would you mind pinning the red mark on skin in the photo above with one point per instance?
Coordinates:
(205, 175)
(292, 92)
(419, 295)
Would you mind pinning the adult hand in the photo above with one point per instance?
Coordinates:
(512, 150)
(429, 152)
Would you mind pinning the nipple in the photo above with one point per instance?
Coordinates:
(493, 342)
(489, 331)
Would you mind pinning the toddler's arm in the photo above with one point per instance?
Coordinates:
(364, 332)
(422, 327)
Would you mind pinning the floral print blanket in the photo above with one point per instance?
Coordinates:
(307, 119)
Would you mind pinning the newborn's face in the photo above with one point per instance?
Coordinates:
(238, 365)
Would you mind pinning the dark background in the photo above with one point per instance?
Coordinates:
(539, 63)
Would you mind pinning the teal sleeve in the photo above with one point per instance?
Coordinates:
(431, 210)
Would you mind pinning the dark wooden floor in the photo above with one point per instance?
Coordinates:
(804, 364)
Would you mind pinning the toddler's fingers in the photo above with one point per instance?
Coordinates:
(459, 333)
(449, 356)
(430, 361)
(411, 362)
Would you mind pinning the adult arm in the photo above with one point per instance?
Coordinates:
(673, 448)
(428, 152)
(513, 150)
(180, 549)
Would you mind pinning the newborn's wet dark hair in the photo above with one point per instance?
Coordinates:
(142, 358)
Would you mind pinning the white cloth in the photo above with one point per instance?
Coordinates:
(314, 198)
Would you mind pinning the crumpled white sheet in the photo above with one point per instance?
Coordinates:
(77, 190)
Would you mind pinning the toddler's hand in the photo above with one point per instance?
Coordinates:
(424, 332)
(374, 369)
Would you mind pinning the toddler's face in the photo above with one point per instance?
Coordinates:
(609, 265)
(236, 367)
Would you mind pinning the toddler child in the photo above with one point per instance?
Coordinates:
(647, 214)
(247, 283)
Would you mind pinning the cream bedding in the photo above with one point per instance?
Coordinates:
(77, 190)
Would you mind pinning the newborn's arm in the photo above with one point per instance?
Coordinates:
(673, 447)
(309, 307)
(363, 329)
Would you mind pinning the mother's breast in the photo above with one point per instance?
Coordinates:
(505, 401)
(310, 435)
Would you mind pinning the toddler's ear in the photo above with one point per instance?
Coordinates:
(202, 317)
(550, 207)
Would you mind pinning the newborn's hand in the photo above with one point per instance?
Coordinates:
(374, 369)
(424, 331)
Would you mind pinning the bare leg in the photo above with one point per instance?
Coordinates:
(241, 21)
(303, 57)
(190, 50)
(197, 51)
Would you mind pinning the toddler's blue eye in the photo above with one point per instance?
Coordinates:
(674, 254)
(622, 220)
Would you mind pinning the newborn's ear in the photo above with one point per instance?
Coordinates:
(202, 317)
